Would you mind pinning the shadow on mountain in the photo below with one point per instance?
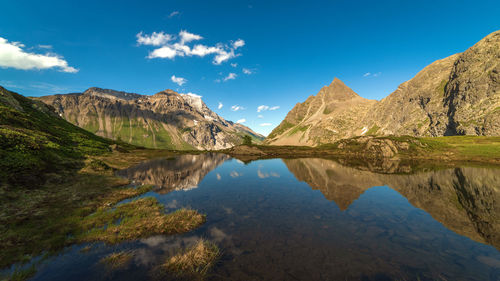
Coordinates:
(180, 173)
(465, 200)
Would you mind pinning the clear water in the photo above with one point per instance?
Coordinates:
(313, 219)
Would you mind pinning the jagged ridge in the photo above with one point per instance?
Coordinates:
(458, 95)
(164, 120)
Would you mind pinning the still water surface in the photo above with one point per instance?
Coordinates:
(313, 219)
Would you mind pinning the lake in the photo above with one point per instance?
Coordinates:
(313, 219)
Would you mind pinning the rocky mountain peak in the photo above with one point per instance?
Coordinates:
(457, 95)
(337, 90)
(166, 119)
(110, 94)
(166, 93)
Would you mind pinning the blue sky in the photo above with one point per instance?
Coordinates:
(291, 48)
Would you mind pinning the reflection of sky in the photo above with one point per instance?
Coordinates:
(266, 221)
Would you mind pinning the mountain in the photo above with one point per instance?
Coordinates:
(164, 120)
(35, 141)
(182, 173)
(464, 199)
(457, 95)
(331, 114)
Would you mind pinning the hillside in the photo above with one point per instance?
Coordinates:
(164, 120)
(35, 141)
(458, 95)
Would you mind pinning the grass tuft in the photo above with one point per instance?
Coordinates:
(139, 218)
(118, 260)
(194, 261)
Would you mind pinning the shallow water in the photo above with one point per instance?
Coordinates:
(313, 219)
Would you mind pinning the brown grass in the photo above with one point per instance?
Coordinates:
(118, 260)
(139, 218)
(194, 261)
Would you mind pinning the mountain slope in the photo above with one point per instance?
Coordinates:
(458, 95)
(35, 141)
(332, 113)
(164, 120)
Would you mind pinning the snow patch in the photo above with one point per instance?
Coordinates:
(364, 130)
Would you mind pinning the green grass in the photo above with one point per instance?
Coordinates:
(34, 141)
(465, 146)
(280, 129)
(373, 130)
(297, 129)
(442, 87)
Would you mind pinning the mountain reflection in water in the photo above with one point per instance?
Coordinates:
(181, 173)
(465, 200)
(271, 222)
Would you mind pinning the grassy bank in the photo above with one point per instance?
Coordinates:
(441, 150)
(57, 187)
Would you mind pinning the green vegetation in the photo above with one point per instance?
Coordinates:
(280, 129)
(118, 260)
(34, 141)
(136, 219)
(247, 140)
(21, 274)
(57, 186)
(373, 130)
(45, 218)
(195, 261)
(468, 147)
(441, 89)
(297, 129)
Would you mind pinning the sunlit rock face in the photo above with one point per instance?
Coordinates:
(181, 173)
(166, 119)
(465, 200)
(457, 95)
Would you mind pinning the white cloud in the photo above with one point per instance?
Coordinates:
(241, 121)
(237, 107)
(192, 95)
(234, 64)
(45, 46)
(188, 37)
(262, 108)
(266, 107)
(13, 55)
(155, 39)
(266, 124)
(230, 76)
(238, 43)
(235, 174)
(220, 105)
(169, 50)
(164, 53)
(247, 71)
(369, 74)
(178, 80)
(223, 56)
(260, 116)
(173, 14)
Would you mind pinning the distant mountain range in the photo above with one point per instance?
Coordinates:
(458, 95)
(164, 120)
